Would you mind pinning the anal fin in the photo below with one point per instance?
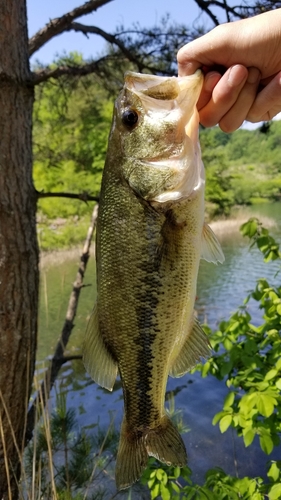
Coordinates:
(195, 347)
(97, 359)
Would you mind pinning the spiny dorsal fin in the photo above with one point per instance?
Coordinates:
(195, 347)
(211, 249)
(97, 360)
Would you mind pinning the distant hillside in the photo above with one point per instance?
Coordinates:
(243, 167)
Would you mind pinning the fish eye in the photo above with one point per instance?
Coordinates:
(130, 117)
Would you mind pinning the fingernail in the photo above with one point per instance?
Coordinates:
(237, 74)
(253, 75)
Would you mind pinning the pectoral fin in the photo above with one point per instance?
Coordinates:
(211, 250)
(195, 347)
(97, 359)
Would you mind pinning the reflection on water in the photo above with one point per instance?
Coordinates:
(221, 289)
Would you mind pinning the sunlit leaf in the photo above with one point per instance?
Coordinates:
(265, 404)
(229, 400)
(225, 422)
(274, 471)
(266, 443)
(275, 492)
(248, 436)
(271, 374)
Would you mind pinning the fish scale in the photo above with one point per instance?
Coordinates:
(150, 238)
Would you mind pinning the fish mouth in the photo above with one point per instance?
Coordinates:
(164, 94)
(164, 88)
(161, 95)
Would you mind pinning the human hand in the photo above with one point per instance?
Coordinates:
(250, 88)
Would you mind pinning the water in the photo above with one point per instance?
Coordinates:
(221, 289)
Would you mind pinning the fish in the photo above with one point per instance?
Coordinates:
(150, 238)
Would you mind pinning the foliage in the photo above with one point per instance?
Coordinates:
(218, 194)
(71, 124)
(65, 462)
(241, 168)
(72, 119)
(248, 358)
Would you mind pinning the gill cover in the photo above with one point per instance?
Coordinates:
(161, 143)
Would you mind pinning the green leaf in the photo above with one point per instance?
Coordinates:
(274, 471)
(271, 374)
(205, 369)
(150, 483)
(248, 402)
(249, 228)
(278, 364)
(278, 384)
(165, 494)
(229, 400)
(225, 422)
(248, 436)
(275, 492)
(234, 326)
(177, 472)
(266, 443)
(155, 491)
(175, 487)
(217, 417)
(265, 404)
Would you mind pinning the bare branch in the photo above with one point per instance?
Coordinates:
(84, 196)
(59, 359)
(204, 6)
(57, 26)
(77, 70)
(113, 39)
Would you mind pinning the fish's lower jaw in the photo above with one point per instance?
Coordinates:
(163, 442)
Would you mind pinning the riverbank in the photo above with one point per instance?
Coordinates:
(221, 227)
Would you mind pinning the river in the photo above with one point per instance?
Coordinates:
(221, 289)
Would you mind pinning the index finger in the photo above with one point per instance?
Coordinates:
(187, 68)
(193, 56)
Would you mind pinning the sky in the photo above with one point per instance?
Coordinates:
(117, 12)
(108, 17)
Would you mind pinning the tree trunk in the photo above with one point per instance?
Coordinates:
(18, 243)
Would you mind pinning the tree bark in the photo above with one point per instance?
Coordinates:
(18, 242)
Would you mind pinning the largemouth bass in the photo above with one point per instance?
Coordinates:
(150, 238)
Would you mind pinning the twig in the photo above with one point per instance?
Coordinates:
(113, 39)
(59, 358)
(84, 196)
(70, 70)
(60, 24)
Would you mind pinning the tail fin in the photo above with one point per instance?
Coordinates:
(163, 442)
(131, 457)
